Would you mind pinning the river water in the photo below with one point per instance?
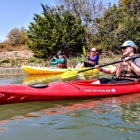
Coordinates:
(108, 118)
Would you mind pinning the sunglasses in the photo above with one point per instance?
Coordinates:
(124, 47)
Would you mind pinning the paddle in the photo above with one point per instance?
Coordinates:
(63, 48)
(84, 50)
(73, 73)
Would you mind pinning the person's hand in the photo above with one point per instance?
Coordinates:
(126, 59)
(99, 68)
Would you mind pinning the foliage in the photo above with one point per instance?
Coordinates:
(119, 23)
(17, 37)
(79, 23)
(52, 29)
(107, 25)
(86, 10)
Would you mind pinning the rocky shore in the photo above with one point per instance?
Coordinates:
(11, 58)
(11, 62)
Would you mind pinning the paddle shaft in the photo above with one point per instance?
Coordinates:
(119, 61)
(53, 57)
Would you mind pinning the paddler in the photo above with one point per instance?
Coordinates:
(126, 71)
(92, 59)
(61, 61)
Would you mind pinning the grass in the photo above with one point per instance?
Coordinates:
(73, 61)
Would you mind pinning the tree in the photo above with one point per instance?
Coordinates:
(118, 23)
(107, 26)
(87, 11)
(52, 29)
(13, 37)
(17, 37)
(130, 20)
(130, 7)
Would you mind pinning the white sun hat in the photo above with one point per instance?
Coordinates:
(93, 50)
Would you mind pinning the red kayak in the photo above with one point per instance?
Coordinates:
(16, 93)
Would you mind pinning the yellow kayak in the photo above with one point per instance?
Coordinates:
(46, 70)
(42, 70)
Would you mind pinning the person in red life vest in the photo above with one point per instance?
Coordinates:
(61, 61)
(92, 59)
(126, 71)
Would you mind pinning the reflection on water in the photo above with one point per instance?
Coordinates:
(30, 79)
(51, 78)
(40, 78)
(110, 118)
(11, 79)
(116, 117)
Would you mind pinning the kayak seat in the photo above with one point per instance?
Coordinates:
(38, 85)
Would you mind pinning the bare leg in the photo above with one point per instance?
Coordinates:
(96, 82)
(79, 65)
(82, 65)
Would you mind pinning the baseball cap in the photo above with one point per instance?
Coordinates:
(128, 43)
(93, 50)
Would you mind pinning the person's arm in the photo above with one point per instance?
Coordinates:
(95, 58)
(54, 62)
(62, 60)
(107, 70)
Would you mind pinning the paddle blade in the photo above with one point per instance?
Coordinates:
(65, 46)
(69, 74)
(84, 50)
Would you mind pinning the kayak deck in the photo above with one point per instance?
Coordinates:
(42, 70)
(47, 70)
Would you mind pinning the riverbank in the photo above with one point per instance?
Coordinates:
(13, 59)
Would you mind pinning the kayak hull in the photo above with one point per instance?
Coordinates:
(16, 93)
(42, 70)
(46, 70)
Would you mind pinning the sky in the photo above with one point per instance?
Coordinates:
(19, 13)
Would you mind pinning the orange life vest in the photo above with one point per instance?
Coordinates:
(124, 71)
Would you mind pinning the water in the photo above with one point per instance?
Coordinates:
(110, 118)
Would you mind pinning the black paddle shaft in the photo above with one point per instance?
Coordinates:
(63, 47)
(119, 61)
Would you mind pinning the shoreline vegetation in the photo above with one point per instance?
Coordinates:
(104, 29)
(12, 58)
(15, 59)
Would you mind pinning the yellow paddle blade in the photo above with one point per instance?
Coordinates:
(68, 74)
(84, 50)
(74, 72)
